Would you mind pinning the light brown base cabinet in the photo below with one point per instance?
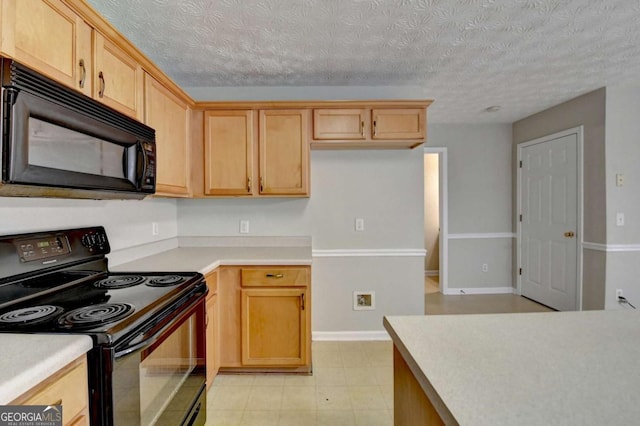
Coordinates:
(411, 407)
(265, 324)
(67, 387)
(212, 331)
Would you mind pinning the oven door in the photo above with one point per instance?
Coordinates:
(158, 378)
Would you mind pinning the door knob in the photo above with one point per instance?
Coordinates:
(569, 234)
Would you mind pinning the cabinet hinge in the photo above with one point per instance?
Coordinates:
(520, 271)
(520, 218)
(520, 163)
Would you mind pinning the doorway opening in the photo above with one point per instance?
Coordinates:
(435, 219)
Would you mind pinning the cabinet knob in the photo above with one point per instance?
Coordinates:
(569, 234)
(249, 185)
(375, 127)
(362, 128)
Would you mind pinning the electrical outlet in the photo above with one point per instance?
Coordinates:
(155, 228)
(619, 179)
(244, 226)
(359, 224)
(485, 267)
(619, 293)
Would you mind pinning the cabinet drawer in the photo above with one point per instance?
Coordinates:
(69, 390)
(275, 277)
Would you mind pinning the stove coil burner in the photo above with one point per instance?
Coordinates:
(165, 281)
(120, 281)
(31, 315)
(94, 315)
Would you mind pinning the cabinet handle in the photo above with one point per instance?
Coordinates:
(375, 128)
(362, 128)
(302, 301)
(249, 184)
(102, 84)
(84, 74)
(275, 275)
(261, 185)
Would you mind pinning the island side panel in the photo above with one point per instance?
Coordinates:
(410, 405)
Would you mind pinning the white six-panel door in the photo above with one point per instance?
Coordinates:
(549, 208)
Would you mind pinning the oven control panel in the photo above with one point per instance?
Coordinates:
(95, 241)
(42, 248)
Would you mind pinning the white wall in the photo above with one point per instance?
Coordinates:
(128, 223)
(479, 191)
(382, 187)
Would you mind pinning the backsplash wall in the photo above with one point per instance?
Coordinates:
(127, 222)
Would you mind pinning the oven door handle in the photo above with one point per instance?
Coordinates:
(119, 353)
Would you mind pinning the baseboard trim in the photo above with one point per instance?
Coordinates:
(349, 335)
(483, 290)
(370, 253)
(431, 273)
(482, 236)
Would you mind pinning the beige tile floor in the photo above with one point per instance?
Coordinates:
(352, 382)
(435, 303)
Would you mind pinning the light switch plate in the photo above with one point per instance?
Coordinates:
(244, 226)
(359, 224)
(619, 219)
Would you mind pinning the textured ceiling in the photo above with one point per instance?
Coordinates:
(524, 55)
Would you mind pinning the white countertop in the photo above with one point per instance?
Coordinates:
(206, 259)
(560, 368)
(28, 359)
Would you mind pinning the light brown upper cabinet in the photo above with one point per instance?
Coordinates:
(256, 152)
(284, 152)
(352, 124)
(50, 37)
(380, 124)
(170, 117)
(118, 78)
(229, 144)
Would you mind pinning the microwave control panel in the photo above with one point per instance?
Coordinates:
(149, 178)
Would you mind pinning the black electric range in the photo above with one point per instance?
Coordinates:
(59, 282)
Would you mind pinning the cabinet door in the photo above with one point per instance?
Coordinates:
(118, 78)
(229, 144)
(49, 37)
(213, 353)
(400, 123)
(284, 152)
(169, 116)
(274, 327)
(349, 124)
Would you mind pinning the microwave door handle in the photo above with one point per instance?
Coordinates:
(141, 172)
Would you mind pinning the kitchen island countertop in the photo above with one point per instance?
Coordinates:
(28, 359)
(561, 368)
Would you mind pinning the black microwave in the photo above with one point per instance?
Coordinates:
(59, 143)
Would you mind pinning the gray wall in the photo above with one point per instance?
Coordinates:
(479, 191)
(623, 156)
(383, 187)
(588, 111)
(128, 223)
